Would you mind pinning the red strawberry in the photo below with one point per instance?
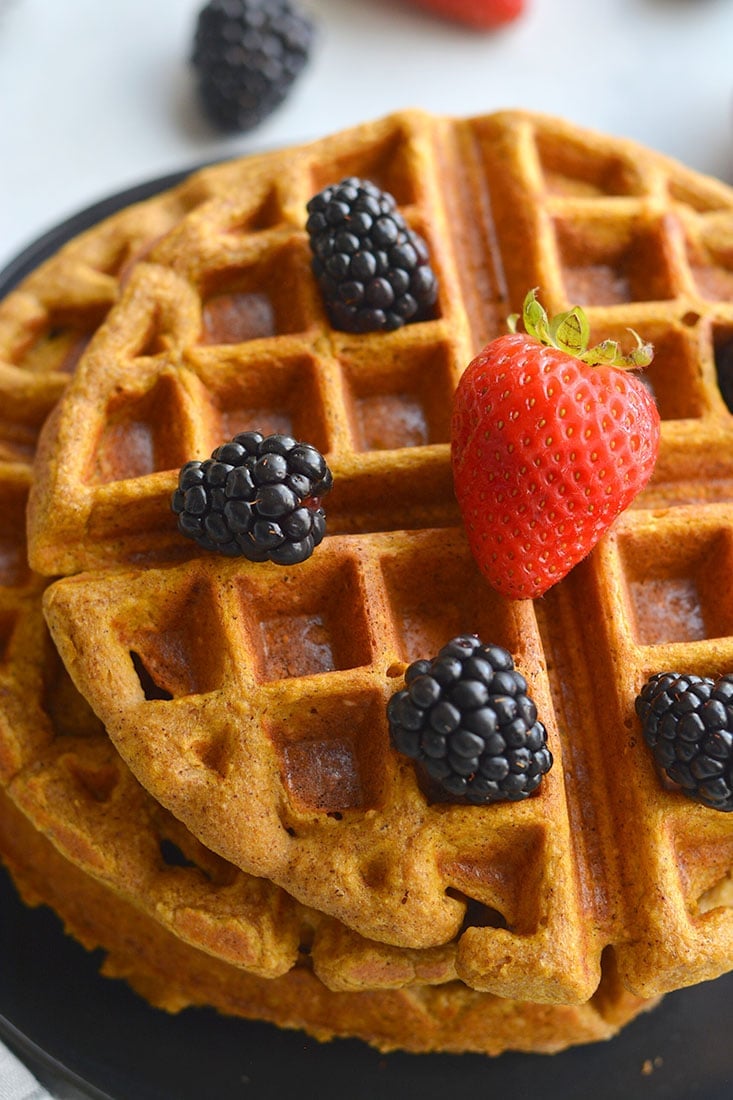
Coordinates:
(482, 14)
(550, 442)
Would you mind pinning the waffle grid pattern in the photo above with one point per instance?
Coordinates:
(226, 259)
(505, 202)
(340, 796)
(47, 321)
(177, 922)
(59, 767)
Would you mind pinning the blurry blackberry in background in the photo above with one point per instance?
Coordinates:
(247, 54)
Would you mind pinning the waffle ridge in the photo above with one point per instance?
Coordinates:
(505, 202)
(48, 319)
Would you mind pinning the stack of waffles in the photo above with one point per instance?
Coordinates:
(194, 754)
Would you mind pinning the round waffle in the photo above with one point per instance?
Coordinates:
(249, 700)
(55, 758)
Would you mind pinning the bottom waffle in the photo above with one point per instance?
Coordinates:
(172, 975)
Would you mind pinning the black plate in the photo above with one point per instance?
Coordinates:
(88, 1037)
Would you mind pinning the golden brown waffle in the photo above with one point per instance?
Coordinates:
(58, 766)
(44, 321)
(172, 976)
(57, 763)
(47, 321)
(93, 837)
(62, 770)
(249, 700)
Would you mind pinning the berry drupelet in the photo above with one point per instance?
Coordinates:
(466, 717)
(257, 497)
(687, 722)
(247, 54)
(372, 269)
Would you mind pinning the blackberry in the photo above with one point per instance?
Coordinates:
(247, 54)
(372, 270)
(466, 717)
(257, 497)
(687, 722)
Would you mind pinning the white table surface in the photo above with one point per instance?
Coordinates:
(96, 95)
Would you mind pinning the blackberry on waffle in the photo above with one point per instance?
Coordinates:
(372, 269)
(688, 723)
(257, 496)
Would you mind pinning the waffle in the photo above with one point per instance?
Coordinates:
(249, 700)
(172, 975)
(46, 322)
(181, 926)
(60, 770)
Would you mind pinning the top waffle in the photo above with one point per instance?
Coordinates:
(504, 202)
(250, 700)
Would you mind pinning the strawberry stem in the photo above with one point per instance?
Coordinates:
(570, 332)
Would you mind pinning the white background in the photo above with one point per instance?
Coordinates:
(96, 95)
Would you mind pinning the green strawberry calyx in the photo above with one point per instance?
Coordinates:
(570, 332)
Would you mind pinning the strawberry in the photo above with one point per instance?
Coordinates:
(550, 442)
(481, 14)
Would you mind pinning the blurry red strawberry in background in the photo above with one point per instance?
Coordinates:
(481, 14)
